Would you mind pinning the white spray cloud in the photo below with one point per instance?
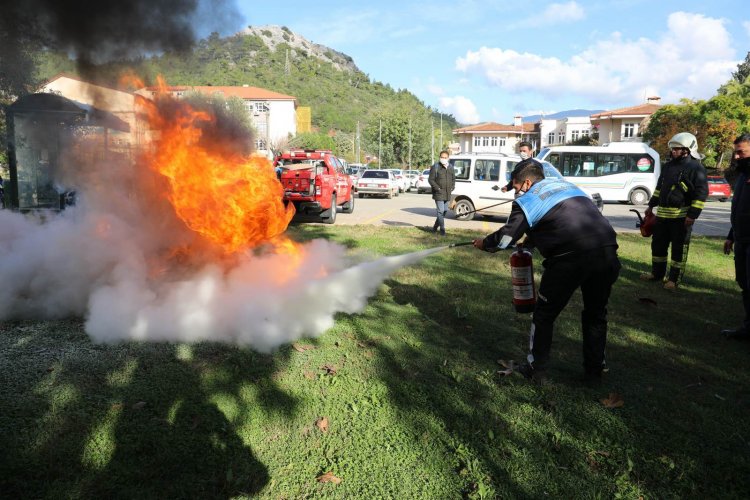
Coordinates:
(67, 266)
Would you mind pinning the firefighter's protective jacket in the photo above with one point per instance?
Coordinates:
(681, 190)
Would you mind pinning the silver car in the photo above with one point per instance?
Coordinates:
(377, 183)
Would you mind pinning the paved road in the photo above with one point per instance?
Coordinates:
(411, 209)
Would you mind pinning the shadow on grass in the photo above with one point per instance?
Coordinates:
(129, 421)
(682, 432)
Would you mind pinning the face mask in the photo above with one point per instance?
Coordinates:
(525, 156)
(743, 164)
(520, 193)
(444, 162)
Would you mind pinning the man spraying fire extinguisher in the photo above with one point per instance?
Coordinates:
(579, 248)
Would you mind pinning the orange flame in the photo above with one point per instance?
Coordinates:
(230, 199)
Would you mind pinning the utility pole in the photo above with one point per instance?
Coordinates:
(380, 143)
(432, 137)
(409, 166)
(441, 131)
(357, 161)
(287, 66)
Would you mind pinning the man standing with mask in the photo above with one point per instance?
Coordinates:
(580, 251)
(442, 179)
(680, 195)
(524, 151)
(739, 234)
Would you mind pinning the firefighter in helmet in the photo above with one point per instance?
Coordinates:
(679, 198)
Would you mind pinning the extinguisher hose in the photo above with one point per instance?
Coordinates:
(462, 244)
(485, 208)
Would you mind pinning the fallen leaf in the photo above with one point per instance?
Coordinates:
(116, 406)
(329, 369)
(328, 477)
(508, 365)
(647, 301)
(309, 374)
(322, 424)
(50, 369)
(302, 347)
(613, 401)
(138, 405)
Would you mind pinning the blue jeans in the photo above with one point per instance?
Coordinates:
(441, 207)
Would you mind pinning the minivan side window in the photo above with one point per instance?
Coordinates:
(554, 159)
(601, 164)
(462, 167)
(578, 165)
(487, 170)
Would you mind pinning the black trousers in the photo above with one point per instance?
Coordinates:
(741, 260)
(594, 272)
(670, 232)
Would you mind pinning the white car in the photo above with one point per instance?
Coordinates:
(398, 174)
(480, 178)
(423, 186)
(377, 183)
(411, 178)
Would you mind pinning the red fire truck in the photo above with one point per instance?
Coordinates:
(316, 182)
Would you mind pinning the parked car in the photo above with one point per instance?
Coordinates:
(398, 174)
(423, 186)
(718, 188)
(479, 181)
(411, 178)
(377, 182)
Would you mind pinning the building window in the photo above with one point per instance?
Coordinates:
(551, 138)
(584, 133)
(574, 135)
(561, 137)
(629, 130)
(477, 140)
(493, 141)
(261, 107)
(260, 144)
(485, 141)
(502, 142)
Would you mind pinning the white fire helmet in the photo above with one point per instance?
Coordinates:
(686, 140)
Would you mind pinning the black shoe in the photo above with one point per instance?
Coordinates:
(736, 334)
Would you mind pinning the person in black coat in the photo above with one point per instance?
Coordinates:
(442, 180)
(738, 238)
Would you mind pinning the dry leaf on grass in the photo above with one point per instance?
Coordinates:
(329, 369)
(328, 477)
(508, 365)
(613, 401)
(302, 347)
(138, 405)
(116, 406)
(322, 424)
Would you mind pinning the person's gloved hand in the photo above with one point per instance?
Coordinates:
(728, 246)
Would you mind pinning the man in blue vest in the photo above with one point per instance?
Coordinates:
(579, 248)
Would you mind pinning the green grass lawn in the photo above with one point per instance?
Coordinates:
(413, 403)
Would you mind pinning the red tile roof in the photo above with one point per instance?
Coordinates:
(641, 109)
(496, 127)
(79, 79)
(251, 93)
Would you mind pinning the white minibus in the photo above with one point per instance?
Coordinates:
(618, 171)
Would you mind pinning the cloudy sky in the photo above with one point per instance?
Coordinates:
(488, 60)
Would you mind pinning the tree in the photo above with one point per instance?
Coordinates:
(743, 70)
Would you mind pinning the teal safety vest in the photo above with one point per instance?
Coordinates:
(544, 195)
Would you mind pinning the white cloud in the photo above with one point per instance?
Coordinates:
(746, 25)
(461, 107)
(557, 13)
(691, 59)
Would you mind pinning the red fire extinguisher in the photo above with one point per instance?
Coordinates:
(522, 277)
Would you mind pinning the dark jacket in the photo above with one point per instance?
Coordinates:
(442, 180)
(573, 225)
(740, 230)
(681, 190)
